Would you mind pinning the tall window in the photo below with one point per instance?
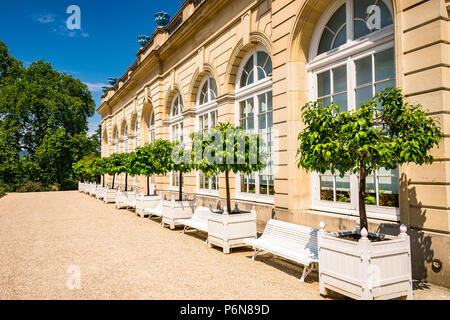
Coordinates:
(351, 59)
(176, 131)
(255, 114)
(125, 139)
(152, 128)
(136, 134)
(116, 141)
(207, 117)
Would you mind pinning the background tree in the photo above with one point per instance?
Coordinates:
(366, 140)
(144, 164)
(228, 146)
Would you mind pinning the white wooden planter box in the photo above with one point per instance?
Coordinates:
(110, 195)
(175, 210)
(146, 202)
(229, 230)
(100, 192)
(92, 189)
(122, 199)
(365, 270)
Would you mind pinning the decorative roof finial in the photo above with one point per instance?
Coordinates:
(162, 19)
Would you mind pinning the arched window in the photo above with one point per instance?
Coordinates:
(136, 134)
(176, 131)
(125, 139)
(351, 59)
(255, 114)
(207, 117)
(116, 141)
(152, 128)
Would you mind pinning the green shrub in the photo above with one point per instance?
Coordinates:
(2, 192)
(31, 186)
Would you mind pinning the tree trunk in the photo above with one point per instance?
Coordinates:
(103, 177)
(227, 185)
(180, 182)
(362, 195)
(114, 180)
(126, 181)
(148, 185)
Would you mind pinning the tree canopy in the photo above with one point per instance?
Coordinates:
(385, 132)
(43, 122)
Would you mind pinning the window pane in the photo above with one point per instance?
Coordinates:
(325, 41)
(262, 122)
(377, 19)
(264, 64)
(323, 84)
(343, 189)
(341, 101)
(326, 188)
(243, 183)
(340, 79)
(269, 100)
(383, 85)
(269, 120)
(271, 186)
(325, 101)
(341, 38)
(363, 71)
(204, 94)
(388, 191)
(247, 73)
(262, 103)
(263, 184)
(213, 88)
(384, 65)
(363, 95)
(371, 191)
(332, 29)
(251, 184)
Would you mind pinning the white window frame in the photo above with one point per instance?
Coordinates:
(253, 90)
(346, 55)
(201, 110)
(176, 121)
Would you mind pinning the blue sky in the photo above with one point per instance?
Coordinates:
(104, 47)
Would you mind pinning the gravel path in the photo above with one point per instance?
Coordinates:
(121, 256)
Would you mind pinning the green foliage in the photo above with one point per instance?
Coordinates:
(2, 192)
(56, 155)
(43, 123)
(368, 139)
(218, 161)
(31, 186)
(220, 151)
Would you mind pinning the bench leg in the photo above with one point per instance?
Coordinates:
(255, 254)
(185, 229)
(306, 270)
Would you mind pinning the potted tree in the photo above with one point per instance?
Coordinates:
(169, 157)
(113, 166)
(145, 165)
(376, 265)
(226, 149)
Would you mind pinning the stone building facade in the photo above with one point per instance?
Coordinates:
(256, 63)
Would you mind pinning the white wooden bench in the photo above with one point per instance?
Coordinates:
(199, 220)
(157, 211)
(290, 241)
